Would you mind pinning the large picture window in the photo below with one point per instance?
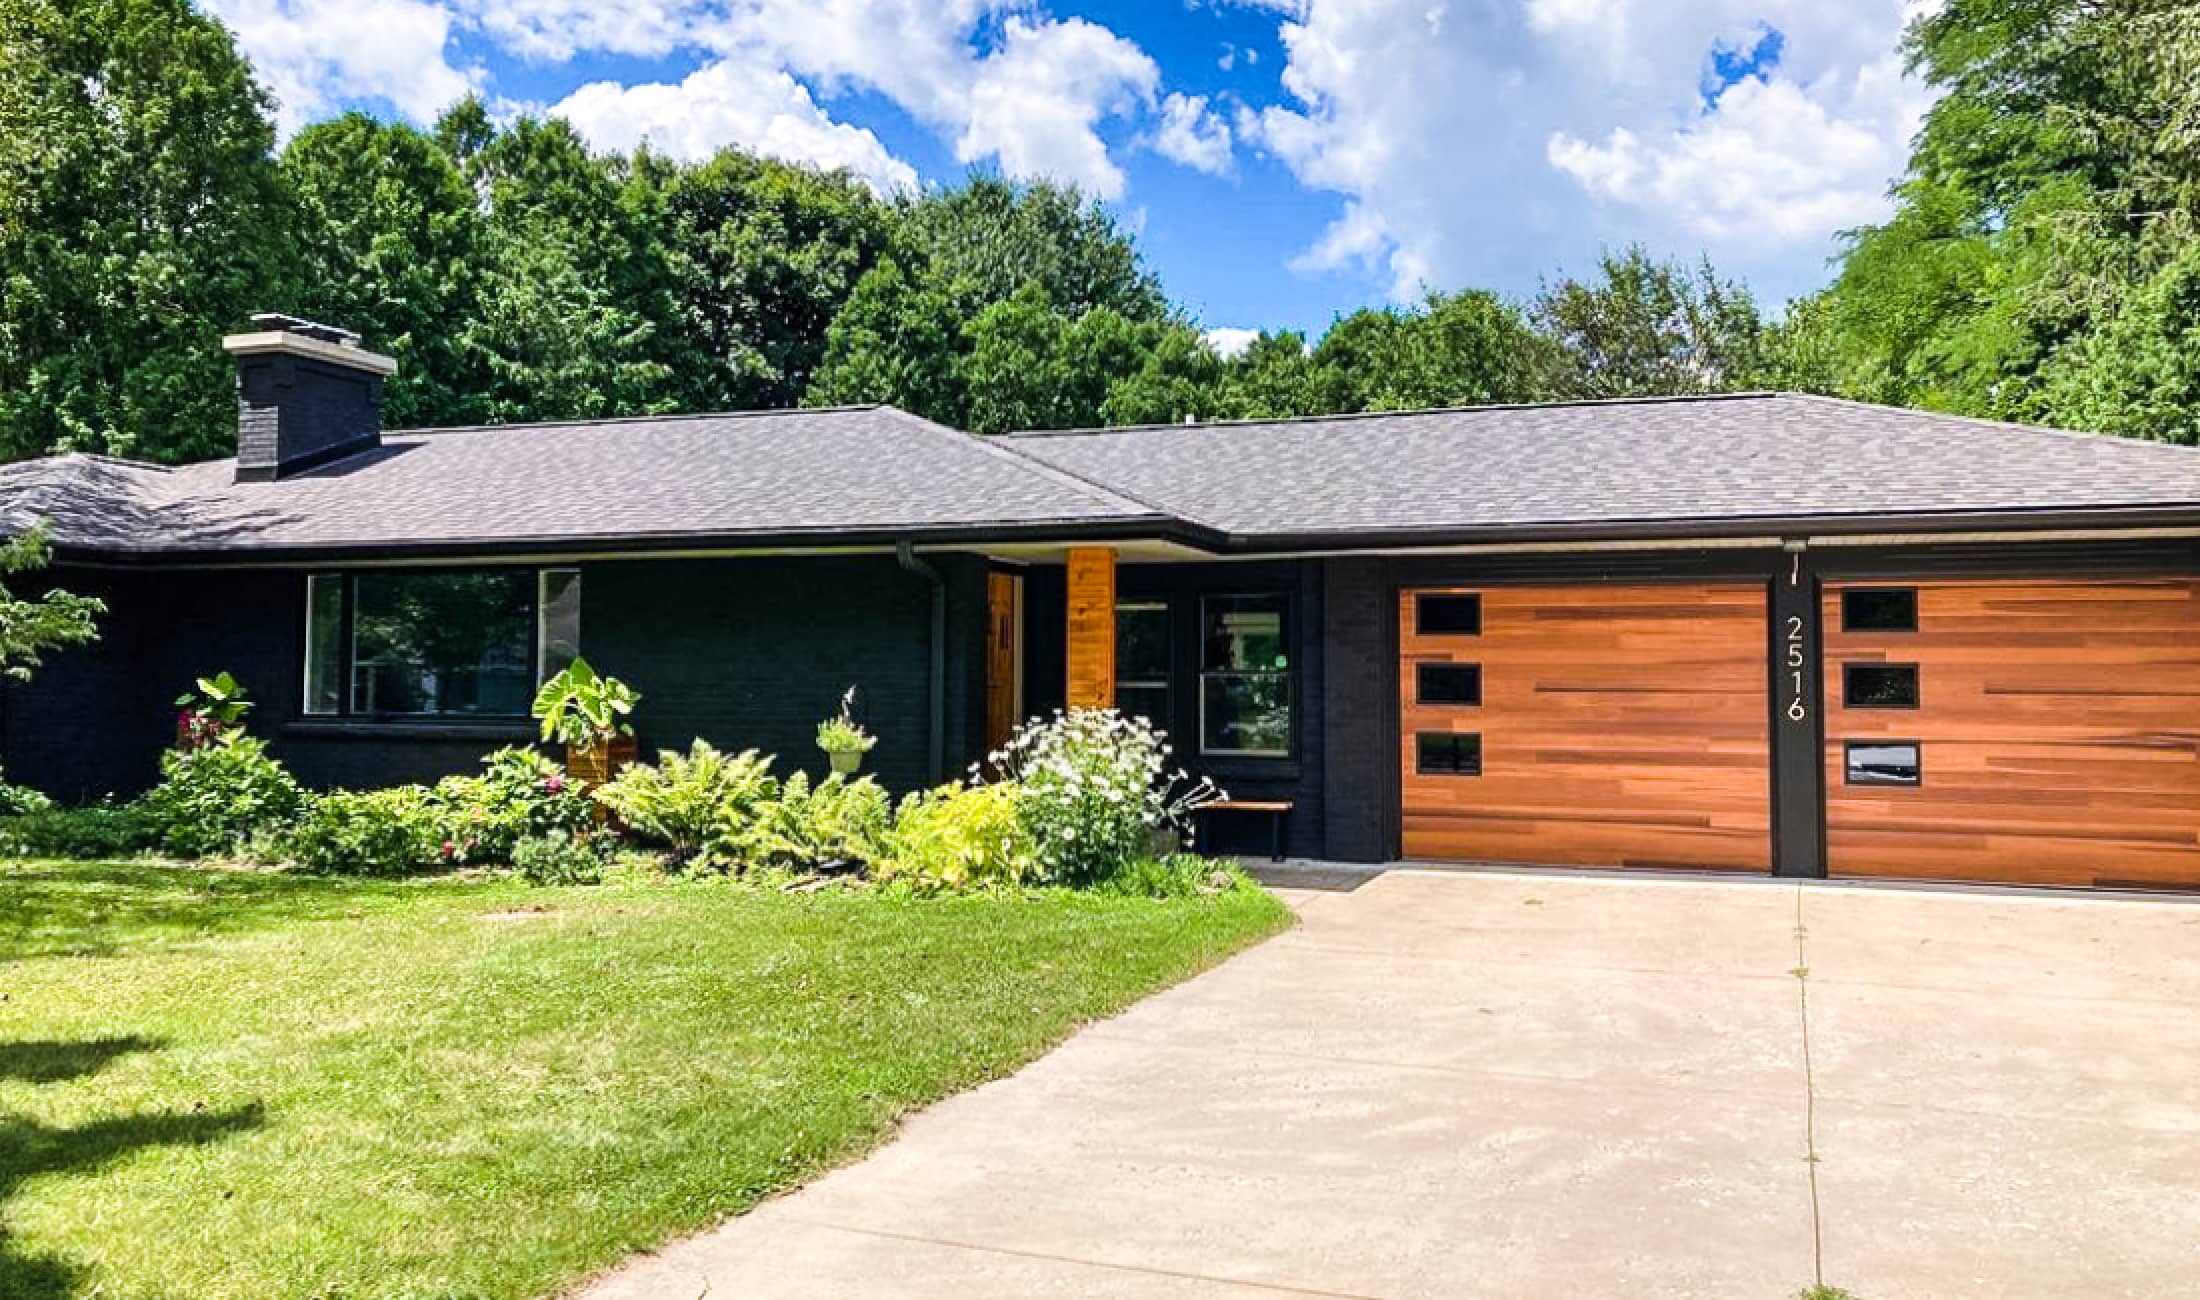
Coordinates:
(415, 644)
(1142, 662)
(1245, 696)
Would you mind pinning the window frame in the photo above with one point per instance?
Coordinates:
(1848, 763)
(1850, 669)
(1167, 683)
(1420, 684)
(1420, 753)
(1848, 629)
(1289, 673)
(1420, 603)
(347, 636)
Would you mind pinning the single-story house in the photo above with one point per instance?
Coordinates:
(1764, 632)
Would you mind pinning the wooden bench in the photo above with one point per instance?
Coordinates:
(1277, 809)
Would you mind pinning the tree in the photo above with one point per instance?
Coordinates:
(897, 341)
(141, 217)
(991, 238)
(764, 255)
(390, 239)
(1648, 328)
(31, 626)
(1460, 349)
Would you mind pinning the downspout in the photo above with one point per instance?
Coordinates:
(936, 725)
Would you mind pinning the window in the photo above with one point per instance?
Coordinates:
(406, 643)
(1879, 686)
(1879, 609)
(1245, 676)
(1883, 762)
(1447, 753)
(1438, 615)
(1447, 683)
(1142, 662)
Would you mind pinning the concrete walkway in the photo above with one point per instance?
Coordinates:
(1465, 1084)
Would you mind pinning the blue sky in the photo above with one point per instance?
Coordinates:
(1281, 160)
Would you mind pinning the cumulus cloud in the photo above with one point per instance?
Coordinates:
(316, 54)
(1193, 134)
(1037, 102)
(553, 31)
(1229, 342)
(1470, 140)
(759, 108)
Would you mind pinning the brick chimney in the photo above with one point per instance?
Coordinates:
(307, 394)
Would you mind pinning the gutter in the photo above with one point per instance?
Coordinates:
(935, 731)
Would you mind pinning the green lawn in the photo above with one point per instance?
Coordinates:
(229, 1085)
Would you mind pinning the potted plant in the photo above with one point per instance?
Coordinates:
(586, 711)
(843, 740)
(215, 710)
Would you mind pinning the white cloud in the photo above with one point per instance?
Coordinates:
(552, 31)
(1229, 342)
(1193, 134)
(1475, 141)
(313, 54)
(1037, 102)
(726, 102)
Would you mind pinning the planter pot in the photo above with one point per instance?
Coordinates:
(592, 765)
(845, 761)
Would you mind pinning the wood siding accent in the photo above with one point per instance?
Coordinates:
(2058, 730)
(1092, 627)
(1003, 683)
(1622, 725)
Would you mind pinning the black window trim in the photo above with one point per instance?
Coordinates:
(1848, 685)
(1167, 683)
(1420, 753)
(1877, 589)
(1290, 675)
(1848, 763)
(1420, 598)
(1420, 684)
(347, 634)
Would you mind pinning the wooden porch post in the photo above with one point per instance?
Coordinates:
(1091, 627)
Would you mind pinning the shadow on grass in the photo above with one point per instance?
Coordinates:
(30, 1149)
(96, 909)
(46, 1061)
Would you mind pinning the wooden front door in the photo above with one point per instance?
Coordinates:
(1609, 725)
(1004, 685)
(2035, 731)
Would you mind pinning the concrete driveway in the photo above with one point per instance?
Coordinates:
(1525, 1085)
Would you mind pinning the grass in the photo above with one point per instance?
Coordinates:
(231, 1084)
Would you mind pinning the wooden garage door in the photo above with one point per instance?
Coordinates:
(2055, 736)
(1617, 725)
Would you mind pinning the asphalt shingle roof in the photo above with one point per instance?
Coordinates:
(777, 475)
(1659, 461)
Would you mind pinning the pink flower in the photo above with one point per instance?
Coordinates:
(554, 783)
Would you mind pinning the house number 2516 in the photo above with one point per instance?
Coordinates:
(1797, 710)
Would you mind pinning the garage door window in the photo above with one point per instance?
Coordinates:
(1879, 609)
(1456, 684)
(1245, 696)
(1447, 615)
(1883, 762)
(1879, 686)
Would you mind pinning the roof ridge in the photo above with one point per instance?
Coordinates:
(660, 418)
(993, 446)
(2093, 436)
(1754, 394)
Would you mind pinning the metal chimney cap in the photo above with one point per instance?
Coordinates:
(275, 320)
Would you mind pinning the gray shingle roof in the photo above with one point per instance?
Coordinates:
(765, 475)
(1522, 469)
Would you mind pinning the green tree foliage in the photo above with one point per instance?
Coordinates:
(896, 340)
(1643, 327)
(2038, 263)
(140, 218)
(390, 239)
(1455, 350)
(990, 238)
(31, 626)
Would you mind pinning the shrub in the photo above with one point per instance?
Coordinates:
(19, 800)
(102, 830)
(559, 859)
(210, 799)
(959, 836)
(392, 832)
(520, 793)
(701, 804)
(1096, 786)
(837, 824)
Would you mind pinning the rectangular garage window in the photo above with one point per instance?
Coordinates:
(1883, 762)
(1245, 697)
(1447, 683)
(1453, 615)
(1447, 753)
(1879, 609)
(1879, 686)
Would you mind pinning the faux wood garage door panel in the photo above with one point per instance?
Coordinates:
(2058, 730)
(1620, 725)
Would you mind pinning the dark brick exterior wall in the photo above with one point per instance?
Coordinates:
(294, 411)
(1360, 706)
(746, 653)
